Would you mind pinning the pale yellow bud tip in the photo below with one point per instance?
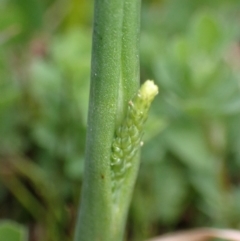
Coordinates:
(148, 90)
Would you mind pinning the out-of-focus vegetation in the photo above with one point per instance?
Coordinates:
(12, 231)
(189, 176)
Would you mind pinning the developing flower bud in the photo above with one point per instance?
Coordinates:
(128, 136)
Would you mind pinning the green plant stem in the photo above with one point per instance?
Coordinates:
(114, 81)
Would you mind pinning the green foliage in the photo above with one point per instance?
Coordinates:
(199, 98)
(189, 171)
(12, 232)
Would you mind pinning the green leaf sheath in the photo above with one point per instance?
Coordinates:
(127, 139)
(114, 80)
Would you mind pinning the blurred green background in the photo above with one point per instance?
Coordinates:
(190, 164)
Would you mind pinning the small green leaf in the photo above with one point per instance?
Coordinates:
(206, 31)
(11, 231)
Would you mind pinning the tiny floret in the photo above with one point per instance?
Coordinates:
(148, 90)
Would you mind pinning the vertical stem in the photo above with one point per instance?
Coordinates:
(114, 81)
